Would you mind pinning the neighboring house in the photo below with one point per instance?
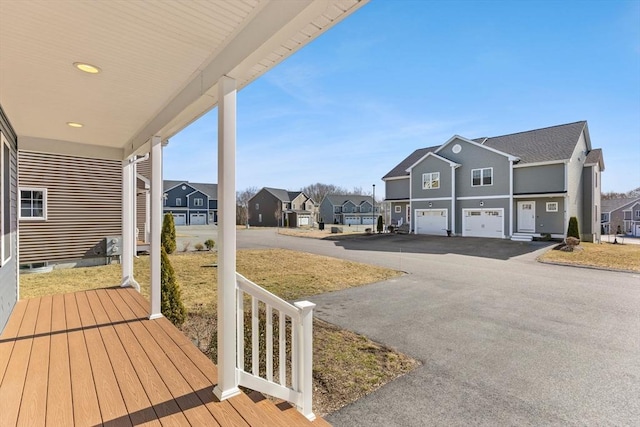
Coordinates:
(8, 219)
(516, 186)
(623, 213)
(275, 207)
(191, 203)
(347, 209)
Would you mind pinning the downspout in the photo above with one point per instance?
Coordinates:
(410, 198)
(453, 199)
(510, 198)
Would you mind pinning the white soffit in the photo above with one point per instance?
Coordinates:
(159, 62)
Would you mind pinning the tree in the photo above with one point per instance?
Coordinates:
(631, 194)
(168, 235)
(380, 225)
(171, 298)
(242, 204)
(572, 230)
(318, 191)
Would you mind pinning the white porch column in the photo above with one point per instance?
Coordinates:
(453, 201)
(227, 374)
(128, 225)
(156, 224)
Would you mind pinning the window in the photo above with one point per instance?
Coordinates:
(627, 215)
(33, 203)
(552, 206)
(481, 177)
(398, 209)
(257, 206)
(430, 180)
(637, 214)
(198, 202)
(178, 201)
(259, 217)
(5, 201)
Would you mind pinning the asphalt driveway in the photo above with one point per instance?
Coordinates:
(503, 340)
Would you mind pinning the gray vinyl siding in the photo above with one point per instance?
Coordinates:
(539, 179)
(9, 270)
(429, 165)
(326, 212)
(178, 193)
(575, 181)
(83, 206)
(475, 157)
(395, 217)
(397, 189)
(191, 201)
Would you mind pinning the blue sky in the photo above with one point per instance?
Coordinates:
(401, 75)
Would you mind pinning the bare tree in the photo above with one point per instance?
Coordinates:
(318, 190)
(242, 204)
(628, 195)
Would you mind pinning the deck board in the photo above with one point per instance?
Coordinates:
(93, 358)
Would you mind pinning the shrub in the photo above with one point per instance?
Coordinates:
(168, 235)
(198, 246)
(573, 231)
(209, 243)
(171, 300)
(380, 225)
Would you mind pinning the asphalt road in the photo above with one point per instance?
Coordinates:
(503, 340)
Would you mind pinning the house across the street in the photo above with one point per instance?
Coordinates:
(621, 216)
(516, 186)
(348, 209)
(191, 203)
(276, 207)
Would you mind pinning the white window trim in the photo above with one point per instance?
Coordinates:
(432, 176)
(4, 258)
(44, 204)
(178, 201)
(549, 207)
(398, 209)
(198, 201)
(482, 184)
(637, 214)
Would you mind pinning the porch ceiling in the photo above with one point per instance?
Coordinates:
(159, 62)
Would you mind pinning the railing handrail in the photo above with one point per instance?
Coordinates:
(265, 296)
(301, 315)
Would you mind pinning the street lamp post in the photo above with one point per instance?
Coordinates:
(373, 214)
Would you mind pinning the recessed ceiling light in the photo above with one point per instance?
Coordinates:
(87, 68)
(75, 124)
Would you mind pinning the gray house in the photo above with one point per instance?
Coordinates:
(191, 203)
(275, 207)
(514, 186)
(347, 209)
(622, 213)
(8, 219)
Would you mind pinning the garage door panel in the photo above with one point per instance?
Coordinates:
(180, 219)
(431, 221)
(483, 223)
(198, 219)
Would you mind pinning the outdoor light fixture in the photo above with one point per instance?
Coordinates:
(430, 204)
(87, 68)
(481, 203)
(74, 124)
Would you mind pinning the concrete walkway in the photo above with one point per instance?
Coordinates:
(503, 340)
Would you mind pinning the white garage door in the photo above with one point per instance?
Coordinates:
(198, 219)
(179, 219)
(431, 221)
(368, 220)
(303, 220)
(483, 223)
(353, 220)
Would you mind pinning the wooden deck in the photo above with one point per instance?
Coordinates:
(93, 358)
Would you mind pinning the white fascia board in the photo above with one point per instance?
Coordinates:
(452, 164)
(506, 196)
(549, 162)
(432, 199)
(454, 137)
(178, 185)
(68, 148)
(542, 195)
(395, 178)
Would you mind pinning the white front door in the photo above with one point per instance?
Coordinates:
(637, 230)
(527, 217)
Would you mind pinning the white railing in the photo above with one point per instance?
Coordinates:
(293, 379)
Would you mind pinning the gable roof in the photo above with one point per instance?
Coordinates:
(478, 144)
(595, 156)
(341, 199)
(401, 168)
(541, 145)
(432, 154)
(278, 193)
(210, 190)
(538, 145)
(610, 205)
